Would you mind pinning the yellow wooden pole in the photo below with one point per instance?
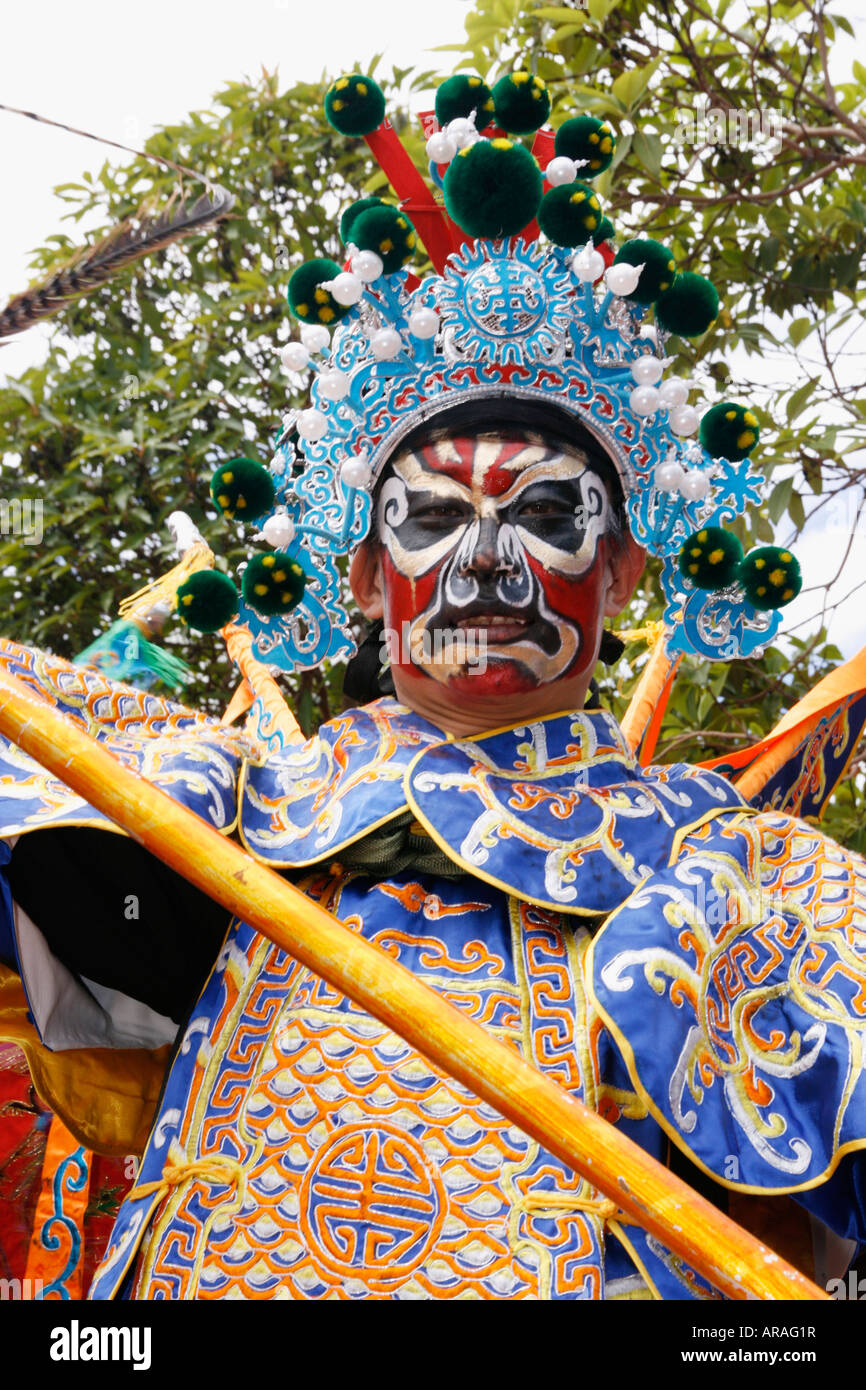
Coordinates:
(691, 1227)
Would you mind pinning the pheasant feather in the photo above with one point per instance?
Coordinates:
(96, 265)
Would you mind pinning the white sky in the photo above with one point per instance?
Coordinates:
(121, 71)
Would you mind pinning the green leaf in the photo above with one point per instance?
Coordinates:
(798, 400)
(800, 329)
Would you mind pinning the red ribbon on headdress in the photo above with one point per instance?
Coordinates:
(434, 226)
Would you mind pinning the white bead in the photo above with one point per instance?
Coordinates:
(673, 392)
(683, 419)
(294, 357)
(644, 400)
(367, 265)
(649, 330)
(623, 278)
(561, 170)
(462, 132)
(346, 288)
(646, 370)
(333, 385)
(669, 477)
(695, 485)
(356, 472)
(423, 323)
(386, 344)
(278, 530)
(587, 265)
(440, 148)
(315, 337)
(311, 425)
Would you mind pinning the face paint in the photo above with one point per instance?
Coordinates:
(491, 562)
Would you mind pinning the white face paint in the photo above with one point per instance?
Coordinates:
(498, 536)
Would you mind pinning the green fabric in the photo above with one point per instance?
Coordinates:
(393, 848)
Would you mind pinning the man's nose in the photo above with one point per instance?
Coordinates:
(485, 558)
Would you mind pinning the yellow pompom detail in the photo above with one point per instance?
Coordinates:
(762, 590)
(325, 314)
(749, 418)
(341, 84)
(606, 145)
(591, 223)
(261, 589)
(241, 502)
(519, 78)
(361, 89)
(337, 105)
(577, 197)
(500, 143)
(693, 569)
(730, 415)
(702, 535)
(759, 564)
(745, 439)
(593, 139)
(411, 239)
(474, 81)
(303, 310)
(595, 164)
(268, 561)
(787, 594)
(279, 576)
(777, 577)
(785, 556)
(401, 222)
(296, 569)
(593, 202)
(696, 550)
(228, 477)
(286, 598)
(187, 600)
(386, 245)
(716, 556)
(224, 500)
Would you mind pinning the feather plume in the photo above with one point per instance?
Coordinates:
(96, 265)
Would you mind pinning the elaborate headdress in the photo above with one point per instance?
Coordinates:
(566, 320)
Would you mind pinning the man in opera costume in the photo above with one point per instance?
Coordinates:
(498, 448)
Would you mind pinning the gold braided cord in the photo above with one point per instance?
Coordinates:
(651, 633)
(217, 1169)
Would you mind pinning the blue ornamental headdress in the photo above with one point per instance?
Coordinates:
(564, 321)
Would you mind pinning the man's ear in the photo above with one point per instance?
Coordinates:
(625, 563)
(365, 580)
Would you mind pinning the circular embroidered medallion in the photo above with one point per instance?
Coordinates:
(372, 1205)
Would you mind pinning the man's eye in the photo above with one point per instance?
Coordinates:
(444, 511)
(544, 508)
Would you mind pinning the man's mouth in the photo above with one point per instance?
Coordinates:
(495, 626)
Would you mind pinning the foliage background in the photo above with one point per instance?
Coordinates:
(155, 379)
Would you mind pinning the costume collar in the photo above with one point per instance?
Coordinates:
(555, 810)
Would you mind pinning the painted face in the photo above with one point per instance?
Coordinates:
(492, 571)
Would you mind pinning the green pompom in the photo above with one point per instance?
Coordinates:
(355, 105)
(206, 601)
(729, 431)
(493, 188)
(464, 95)
(243, 488)
(387, 231)
(659, 271)
(570, 214)
(710, 558)
(307, 300)
(771, 577)
(586, 137)
(273, 583)
(603, 232)
(521, 102)
(688, 307)
(353, 212)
